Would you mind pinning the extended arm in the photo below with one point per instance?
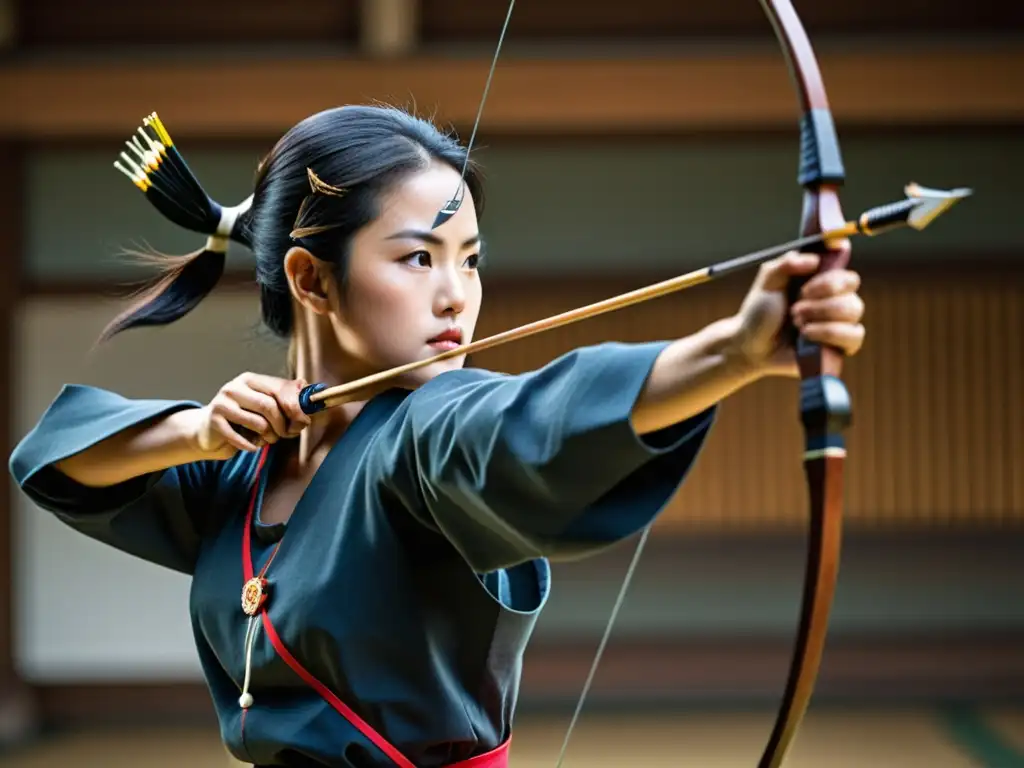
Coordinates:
(691, 375)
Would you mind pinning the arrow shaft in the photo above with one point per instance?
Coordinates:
(343, 393)
(872, 222)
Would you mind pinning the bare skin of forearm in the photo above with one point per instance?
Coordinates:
(690, 375)
(150, 447)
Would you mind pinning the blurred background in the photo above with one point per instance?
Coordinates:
(623, 143)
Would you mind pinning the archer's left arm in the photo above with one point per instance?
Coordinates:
(691, 375)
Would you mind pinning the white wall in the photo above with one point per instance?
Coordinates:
(84, 609)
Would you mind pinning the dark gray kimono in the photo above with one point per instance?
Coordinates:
(415, 564)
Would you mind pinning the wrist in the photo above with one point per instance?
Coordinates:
(184, 429)
(739, 359)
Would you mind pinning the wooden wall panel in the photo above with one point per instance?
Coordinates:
(50, 23)
(942, 85)
(62, 23)
(458, 20)
(938, 437)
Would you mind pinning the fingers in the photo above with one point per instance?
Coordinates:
(285, 394)
(252, 410)
(775, 274)
(230, 436)
(238, 415)
(829, 309)
(846, 337)
(835, 282)
(265, 406)
(847, 308)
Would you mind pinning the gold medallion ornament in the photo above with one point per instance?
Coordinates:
(254, 594)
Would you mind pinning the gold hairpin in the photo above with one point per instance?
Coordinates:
(319, 186)
(295, 234)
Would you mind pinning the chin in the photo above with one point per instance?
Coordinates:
(423, 375)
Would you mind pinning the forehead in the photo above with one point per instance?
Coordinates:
(413, 203)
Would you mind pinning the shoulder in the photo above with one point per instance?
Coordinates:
(451, 380)
(448, 385)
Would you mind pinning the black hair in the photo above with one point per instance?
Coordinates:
(318, 186)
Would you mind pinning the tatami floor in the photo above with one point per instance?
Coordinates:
(986, 738)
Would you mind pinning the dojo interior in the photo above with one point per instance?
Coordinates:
(622, 144)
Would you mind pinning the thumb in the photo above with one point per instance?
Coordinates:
(302, 417)
(775, 274)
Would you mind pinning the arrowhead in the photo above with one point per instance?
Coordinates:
(932, 203)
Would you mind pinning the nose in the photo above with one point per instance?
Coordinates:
(450, 298)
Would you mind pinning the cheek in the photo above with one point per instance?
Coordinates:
(380, 309)
(471, 314)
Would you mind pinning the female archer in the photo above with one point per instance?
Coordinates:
(392, 555)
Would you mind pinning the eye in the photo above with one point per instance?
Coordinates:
(418, 259)
(473, 261)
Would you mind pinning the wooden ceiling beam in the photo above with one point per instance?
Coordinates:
(388, 28)
(8, 24)
(259, 98)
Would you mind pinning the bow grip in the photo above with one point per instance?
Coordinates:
(831, 258)
(825, 411)
(820, 173)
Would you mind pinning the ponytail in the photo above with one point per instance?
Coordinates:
(159, 170)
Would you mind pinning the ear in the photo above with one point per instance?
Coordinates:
(309, 279)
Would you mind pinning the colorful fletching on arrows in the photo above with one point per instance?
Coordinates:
(156, 167)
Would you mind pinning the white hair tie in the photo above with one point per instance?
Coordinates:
(218, 242)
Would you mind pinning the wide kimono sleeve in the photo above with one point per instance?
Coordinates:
(156, 517)
(543, 464)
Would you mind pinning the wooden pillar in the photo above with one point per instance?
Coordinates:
(8, 24)
(18, 715)
(389, 28)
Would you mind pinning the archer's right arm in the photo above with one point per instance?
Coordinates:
(266, 406)
(152, 445)
(144, 476)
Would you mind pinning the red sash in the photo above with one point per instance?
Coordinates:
(496, 758)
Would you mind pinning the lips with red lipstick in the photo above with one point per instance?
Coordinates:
(450, 339)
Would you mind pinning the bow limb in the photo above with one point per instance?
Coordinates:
(824, 402)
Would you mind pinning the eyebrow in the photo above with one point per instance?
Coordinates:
(428, 237)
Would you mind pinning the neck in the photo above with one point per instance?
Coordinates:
(314, 359)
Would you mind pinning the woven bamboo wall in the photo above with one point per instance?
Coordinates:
(938, 434)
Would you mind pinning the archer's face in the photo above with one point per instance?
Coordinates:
(412, 292)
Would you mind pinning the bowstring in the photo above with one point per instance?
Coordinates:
(457, 198)
(619, 600)
(631, 570)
